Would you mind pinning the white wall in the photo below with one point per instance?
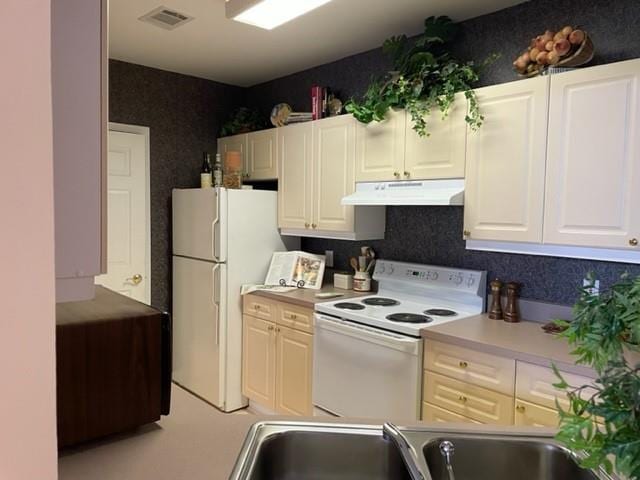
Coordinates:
(27, 297)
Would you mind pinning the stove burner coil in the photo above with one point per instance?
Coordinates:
(380, 302)
(409, 318)
(349, 306)
(441, 312)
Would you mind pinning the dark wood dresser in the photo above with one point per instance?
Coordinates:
(113, 366)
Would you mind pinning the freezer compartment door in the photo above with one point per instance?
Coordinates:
(198, 308)
(199, 223)
(364, 372)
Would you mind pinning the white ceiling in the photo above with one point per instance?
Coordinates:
(219, 49)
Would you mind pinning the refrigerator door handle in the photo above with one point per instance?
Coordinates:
(214, 232)
(215, 300)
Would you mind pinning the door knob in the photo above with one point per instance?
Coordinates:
(136, 279)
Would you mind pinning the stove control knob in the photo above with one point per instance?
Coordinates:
(434, 275)
(380, 268)
(458, 279)
(390, 269)
(470, 281)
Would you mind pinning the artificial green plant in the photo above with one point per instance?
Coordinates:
(425, 76)
(605, 334)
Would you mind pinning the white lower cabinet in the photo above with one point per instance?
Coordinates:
(464, 385)
(277, 360)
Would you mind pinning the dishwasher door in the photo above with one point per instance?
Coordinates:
(360, 371)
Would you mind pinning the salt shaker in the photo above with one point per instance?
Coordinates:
(511, 313)
(495, 312)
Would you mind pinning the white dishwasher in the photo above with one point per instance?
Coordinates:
(360, 371)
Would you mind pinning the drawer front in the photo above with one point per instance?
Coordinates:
(431, 413)
(535, 384)
(478, 368)
(259, 307)
(480, 404)
(294, 316)
(532, 415)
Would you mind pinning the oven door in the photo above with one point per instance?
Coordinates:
(360, 371)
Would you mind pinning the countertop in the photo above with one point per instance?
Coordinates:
(306, 297)
(525, 341)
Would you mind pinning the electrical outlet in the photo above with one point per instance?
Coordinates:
(328, 258)
(594, 286)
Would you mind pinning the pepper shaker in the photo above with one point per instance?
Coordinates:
(511, 313)
(495, 312)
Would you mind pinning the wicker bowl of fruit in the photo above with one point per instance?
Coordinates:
(568, 47)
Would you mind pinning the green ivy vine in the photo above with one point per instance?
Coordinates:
(425, 76)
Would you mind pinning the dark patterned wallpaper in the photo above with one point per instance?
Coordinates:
(433, 234)
(184, 115)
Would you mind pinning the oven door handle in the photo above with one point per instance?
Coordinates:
(369, 334)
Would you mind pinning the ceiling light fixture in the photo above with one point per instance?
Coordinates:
(269, 14)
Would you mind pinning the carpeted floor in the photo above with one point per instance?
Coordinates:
(195, 442)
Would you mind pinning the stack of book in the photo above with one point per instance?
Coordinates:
(319, 102)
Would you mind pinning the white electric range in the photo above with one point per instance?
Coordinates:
(368, 350)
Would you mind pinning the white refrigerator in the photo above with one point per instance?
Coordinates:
(221, 240)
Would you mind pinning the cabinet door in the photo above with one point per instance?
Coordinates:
(532, 415)
(235, 143)
(334, 150)
(505, 168)
(261, 157)
(593, 171)
(442, 153)
(258, 361)
(295, 176)
(294, 372)
(380, 148)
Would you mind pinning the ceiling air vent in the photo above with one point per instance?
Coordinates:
(166, 18)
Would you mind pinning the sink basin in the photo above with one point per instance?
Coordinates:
(342, 454)
(332, 451)
(503, 459)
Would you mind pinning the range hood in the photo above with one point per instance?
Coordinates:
(410, 192)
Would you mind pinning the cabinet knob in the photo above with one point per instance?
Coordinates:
(306, 225)
(277, 329)
(633, 242)
(466, 233)
(270, 327)
(293, 316)
(313, 225)
(257, 307)
(396, 174)
(520, 408)
(463, 364)
(462, 398)
(407, 174)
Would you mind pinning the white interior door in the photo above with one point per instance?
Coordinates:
(128, 218)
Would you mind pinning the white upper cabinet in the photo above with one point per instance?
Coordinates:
(381, 148)
(235, 143)
(334, 170)
(295, 183)
(441, 154)
(505, 163)
(261, 156)
(316, 162)
(593, 166)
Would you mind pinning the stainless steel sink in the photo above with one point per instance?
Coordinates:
(503, 459)
(332, 452)
(322, 451)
